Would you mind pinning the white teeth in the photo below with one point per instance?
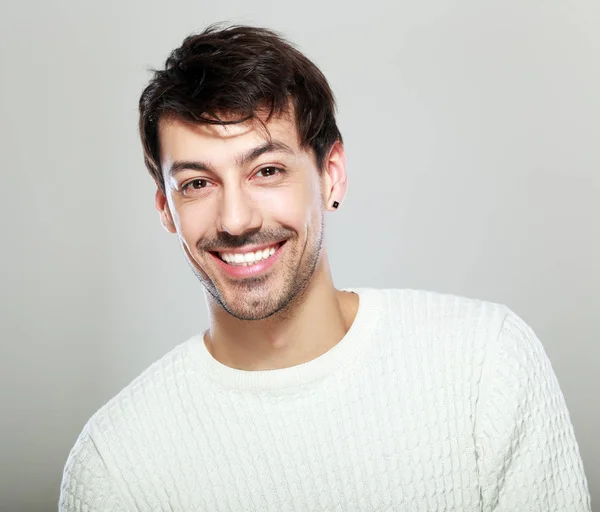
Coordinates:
(249, 258)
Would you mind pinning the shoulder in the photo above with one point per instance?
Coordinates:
(497, 339)
(148, 400)
(465, 330)
(132, 436)
(422, 311)
(517, 364)
(118, 436)
(86, 481)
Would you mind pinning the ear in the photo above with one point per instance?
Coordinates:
(334, 179)
(166, 219)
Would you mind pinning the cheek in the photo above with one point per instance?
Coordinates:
(193, 221)
(289, 206)
(297, 200)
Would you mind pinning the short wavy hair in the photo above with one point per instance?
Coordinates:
(238, 71)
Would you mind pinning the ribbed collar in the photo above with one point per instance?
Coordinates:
(356, 340)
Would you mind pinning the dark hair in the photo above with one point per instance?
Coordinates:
(238, 70)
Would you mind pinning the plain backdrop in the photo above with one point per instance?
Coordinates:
(473, 138)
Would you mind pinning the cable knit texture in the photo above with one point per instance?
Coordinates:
(430, 402)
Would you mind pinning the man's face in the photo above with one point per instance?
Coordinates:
(248, 209)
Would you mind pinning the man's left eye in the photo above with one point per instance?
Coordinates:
(266, 172)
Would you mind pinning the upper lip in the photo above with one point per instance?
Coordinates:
(247, 248)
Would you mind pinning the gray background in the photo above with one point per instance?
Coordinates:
(473, 135)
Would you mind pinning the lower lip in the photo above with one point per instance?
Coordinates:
(241, 271)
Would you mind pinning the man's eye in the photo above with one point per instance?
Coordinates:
(196, 184)
(266, 172)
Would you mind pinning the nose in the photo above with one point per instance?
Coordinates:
(238, 213)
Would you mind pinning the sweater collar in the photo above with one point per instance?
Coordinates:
(347, 349)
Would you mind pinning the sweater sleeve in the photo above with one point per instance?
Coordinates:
(528, 457)
(86, 484)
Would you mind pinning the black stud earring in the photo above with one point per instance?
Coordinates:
(335, 204)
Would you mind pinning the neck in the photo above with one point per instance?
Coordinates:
(313, 324)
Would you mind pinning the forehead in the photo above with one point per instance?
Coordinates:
(182, 139)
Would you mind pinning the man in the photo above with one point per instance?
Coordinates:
(300, 396)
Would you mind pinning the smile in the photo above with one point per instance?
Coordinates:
(249, 258)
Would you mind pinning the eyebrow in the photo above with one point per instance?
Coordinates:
(272, 146)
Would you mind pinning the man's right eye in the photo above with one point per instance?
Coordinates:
(191, 186)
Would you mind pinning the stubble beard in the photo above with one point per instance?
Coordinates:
(266, 302)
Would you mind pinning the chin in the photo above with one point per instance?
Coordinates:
(253, 303)
(255, 299)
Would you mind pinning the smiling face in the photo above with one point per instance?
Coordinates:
(248, 207)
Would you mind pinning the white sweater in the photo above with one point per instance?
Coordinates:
(430, 402)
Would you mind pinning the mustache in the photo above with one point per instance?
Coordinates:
(226, 240)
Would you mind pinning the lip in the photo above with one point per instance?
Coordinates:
(240, 271)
